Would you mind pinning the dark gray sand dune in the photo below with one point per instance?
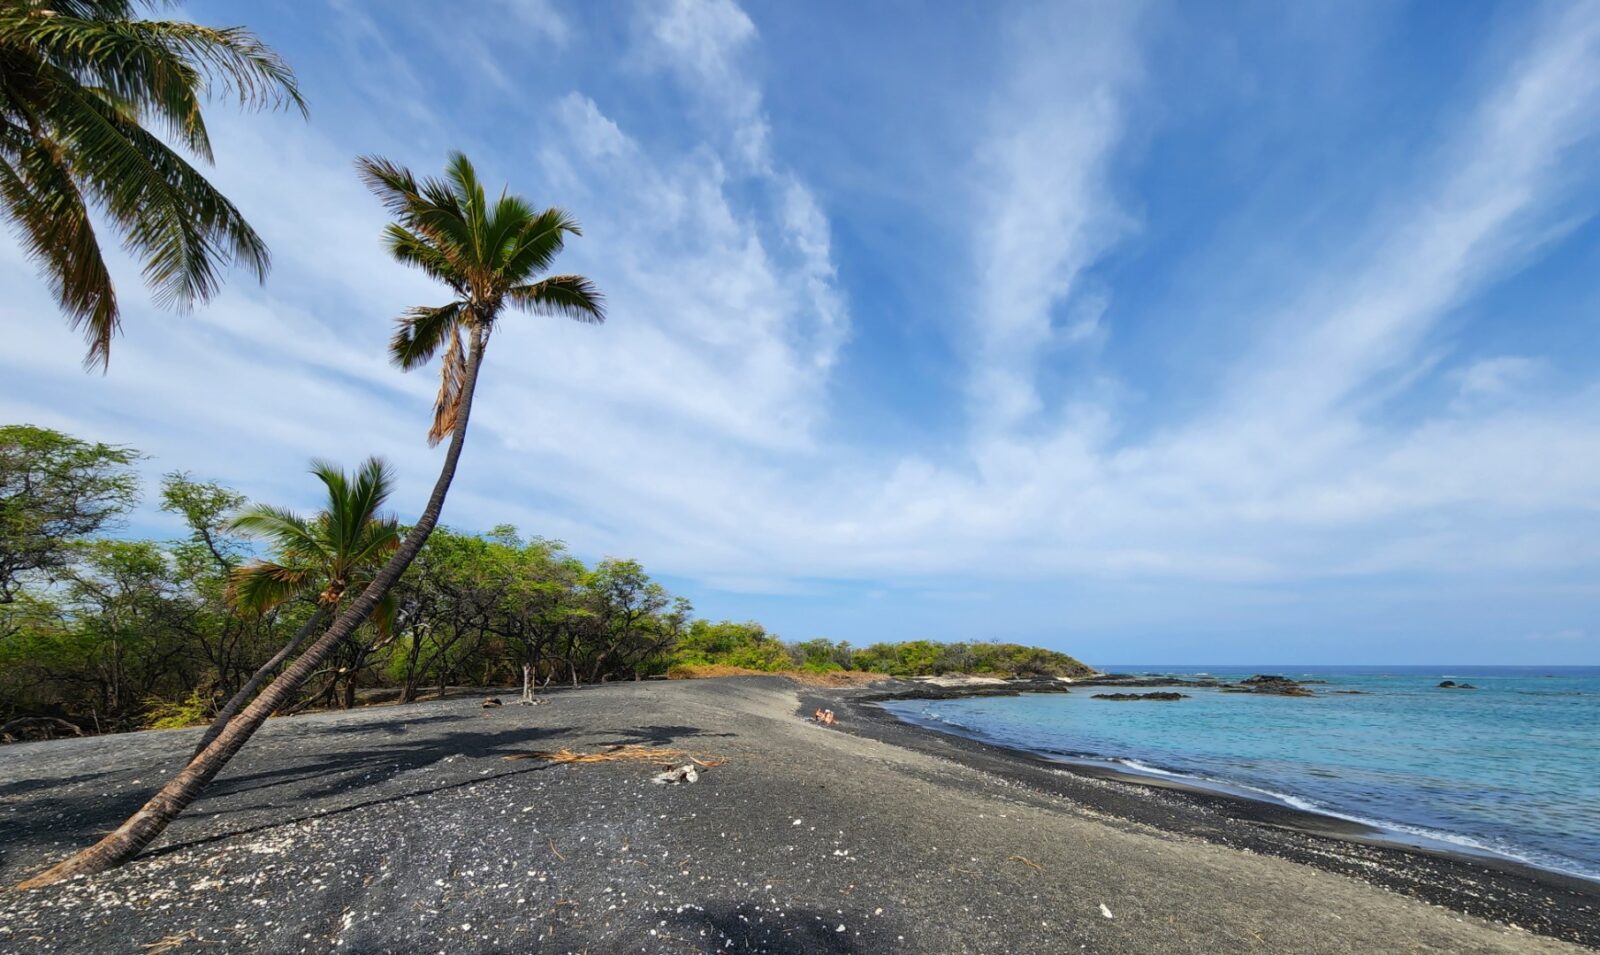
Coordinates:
(402, 829)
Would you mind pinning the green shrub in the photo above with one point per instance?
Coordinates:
(162, 714)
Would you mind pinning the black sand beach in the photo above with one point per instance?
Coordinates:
(403, 829)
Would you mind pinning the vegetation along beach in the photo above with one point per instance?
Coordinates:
(725, 476)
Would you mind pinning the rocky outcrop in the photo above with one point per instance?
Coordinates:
(1163, 697)
(1270, 684)
(928, 690)
(1453, 685)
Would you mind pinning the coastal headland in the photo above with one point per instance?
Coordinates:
(445, 826)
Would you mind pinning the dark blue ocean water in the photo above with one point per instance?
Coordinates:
(1511, 768)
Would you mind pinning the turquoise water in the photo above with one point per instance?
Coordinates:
(1511, 768)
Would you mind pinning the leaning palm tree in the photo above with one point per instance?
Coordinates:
(328, 556)
(80, 82)
(490, 255)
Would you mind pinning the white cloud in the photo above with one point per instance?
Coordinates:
(703, 38)
(1045, 208)
(696, 429)
(1493, 379)
(541, 18)
(704, 43)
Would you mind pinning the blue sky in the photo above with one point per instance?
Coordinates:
(1156, 333)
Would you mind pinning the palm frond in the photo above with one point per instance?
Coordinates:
(79, 80)
(429, 208)
(408, 248)
(452, 376)
(419, 333)
(98, 9)
(468, 195)
(159, 67)
(365, 495)
(393, 184)
(169, 214)
(288, 531)
(383, 615)
(260, 586)
(507, 222)
(43, 202)
(379, 539)
(334, 521)
(539, 243)
(572, 296)
(124, 61)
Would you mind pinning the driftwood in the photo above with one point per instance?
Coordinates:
(35, 727)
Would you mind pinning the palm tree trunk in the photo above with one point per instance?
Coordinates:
(267, 669)
(144, 826)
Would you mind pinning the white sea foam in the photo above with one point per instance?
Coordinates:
(934, 716)
(1394, 830)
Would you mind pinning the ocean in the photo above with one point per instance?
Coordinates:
(1511, 768)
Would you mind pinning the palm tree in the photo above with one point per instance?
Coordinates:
(330, 555)
(80, 80)
(489, 256)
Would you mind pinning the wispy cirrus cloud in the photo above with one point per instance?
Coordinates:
(1343, 437)
(1045, 207)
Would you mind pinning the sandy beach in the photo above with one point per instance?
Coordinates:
(405, 828)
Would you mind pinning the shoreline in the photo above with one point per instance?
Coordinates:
(1378, 832)
(1482, 884)
(428, 827)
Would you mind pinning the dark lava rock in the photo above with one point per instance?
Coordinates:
(1270, 684)
(1145, 682)
(1140, 696)
(1453, 685)
(918, 690)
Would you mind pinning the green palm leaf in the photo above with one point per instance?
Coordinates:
(79, 82)
(488, 254)
(572, 296)
(334, 553)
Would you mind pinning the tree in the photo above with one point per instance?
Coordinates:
(225, 635)
(625, 606)
(728, 643)
(488, 256)
(542, 603)
(325, 557)
(80, 80)
(447, 600)
(55, 490)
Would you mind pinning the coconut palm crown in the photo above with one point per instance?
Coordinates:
(90, 97)
(334, 553)
(490, 255)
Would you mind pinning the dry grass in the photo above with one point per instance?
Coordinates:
(685, 671)
(170, 942)
(835, 678)
(660, 755)
(711, 671)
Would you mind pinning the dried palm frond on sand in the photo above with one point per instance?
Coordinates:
(630, 752)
